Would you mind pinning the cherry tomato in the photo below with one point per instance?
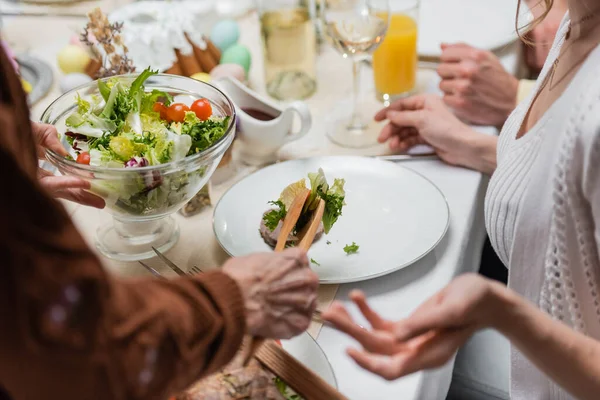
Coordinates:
(202, 109)
(83, 158)
(176, 112)
(161, 109)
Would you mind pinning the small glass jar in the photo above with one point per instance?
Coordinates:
(289, 47)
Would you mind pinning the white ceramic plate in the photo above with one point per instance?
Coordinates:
(307, 351)
(38, 73)
(486, 24)
(395, 215)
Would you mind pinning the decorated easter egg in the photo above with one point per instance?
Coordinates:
(201, 76)
(229, 71)
(225, 34)
(237, 54)
(71, 81)
(73, 59)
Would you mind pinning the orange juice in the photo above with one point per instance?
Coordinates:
(395, 61)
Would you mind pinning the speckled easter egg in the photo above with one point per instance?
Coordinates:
(72, 58)
(237, 54)
(201, 76)
(225, 34)
(229, 71)
(71, 81)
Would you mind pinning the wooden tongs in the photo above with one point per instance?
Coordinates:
(306, 236)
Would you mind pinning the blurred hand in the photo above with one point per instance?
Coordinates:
(476, 85)
(280, 292)
(424, 119)
(428, 338)
(64, 187)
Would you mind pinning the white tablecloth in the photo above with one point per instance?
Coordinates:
(395, 295)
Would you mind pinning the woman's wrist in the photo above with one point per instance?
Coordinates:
(505, 309)
(478, 151)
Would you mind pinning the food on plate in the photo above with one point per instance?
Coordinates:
(333, 196)
(125, 126)
(252, 382)
(312, 261)
(351, 248)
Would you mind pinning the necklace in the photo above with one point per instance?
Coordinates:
(550, 76)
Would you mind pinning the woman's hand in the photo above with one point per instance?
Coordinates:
(426, 339)
(64, 187)
(280, 292)
(476, 86)
(425, 119)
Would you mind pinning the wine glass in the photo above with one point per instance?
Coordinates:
(356, 28)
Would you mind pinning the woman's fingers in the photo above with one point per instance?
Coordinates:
(405, 118)
(70, 188)
(386, 133)
(435, 351)
(55, 184)
(455, 86)
(389, 368)
(401, 145)
(47, 138)
(374, 319)
(82, 197)
(449, 70)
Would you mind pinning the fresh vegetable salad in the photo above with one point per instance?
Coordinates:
(127, 127)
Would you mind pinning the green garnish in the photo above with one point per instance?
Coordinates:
(328, 242)
(273, 217)
(351, 248)
(312, 260)
(284, 390)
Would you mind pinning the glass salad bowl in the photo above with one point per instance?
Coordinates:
(142, 199)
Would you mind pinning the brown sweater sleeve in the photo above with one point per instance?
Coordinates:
(68, 330)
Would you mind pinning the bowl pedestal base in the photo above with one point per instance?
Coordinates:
(133, 241)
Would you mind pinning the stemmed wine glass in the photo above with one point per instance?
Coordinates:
(356, 28)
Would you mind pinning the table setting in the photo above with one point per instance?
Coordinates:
(282, 95)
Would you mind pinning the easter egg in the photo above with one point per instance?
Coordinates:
(73, 59)
(237, 54)
(201, 76)
(228, 71)
(225, 34)
(71, 81)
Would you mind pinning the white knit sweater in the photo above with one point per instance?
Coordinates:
(543, 212)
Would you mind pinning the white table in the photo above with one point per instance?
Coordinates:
(395, 295)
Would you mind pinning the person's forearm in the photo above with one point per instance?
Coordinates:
(480, 152)
(569, 358)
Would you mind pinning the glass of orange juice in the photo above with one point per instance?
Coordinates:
(395, 61)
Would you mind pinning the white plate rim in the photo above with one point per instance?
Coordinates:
(349, 280)
(314, 341)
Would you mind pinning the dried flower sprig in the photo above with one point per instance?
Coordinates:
(105, 41)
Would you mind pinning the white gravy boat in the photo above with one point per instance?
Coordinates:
(263, 126)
